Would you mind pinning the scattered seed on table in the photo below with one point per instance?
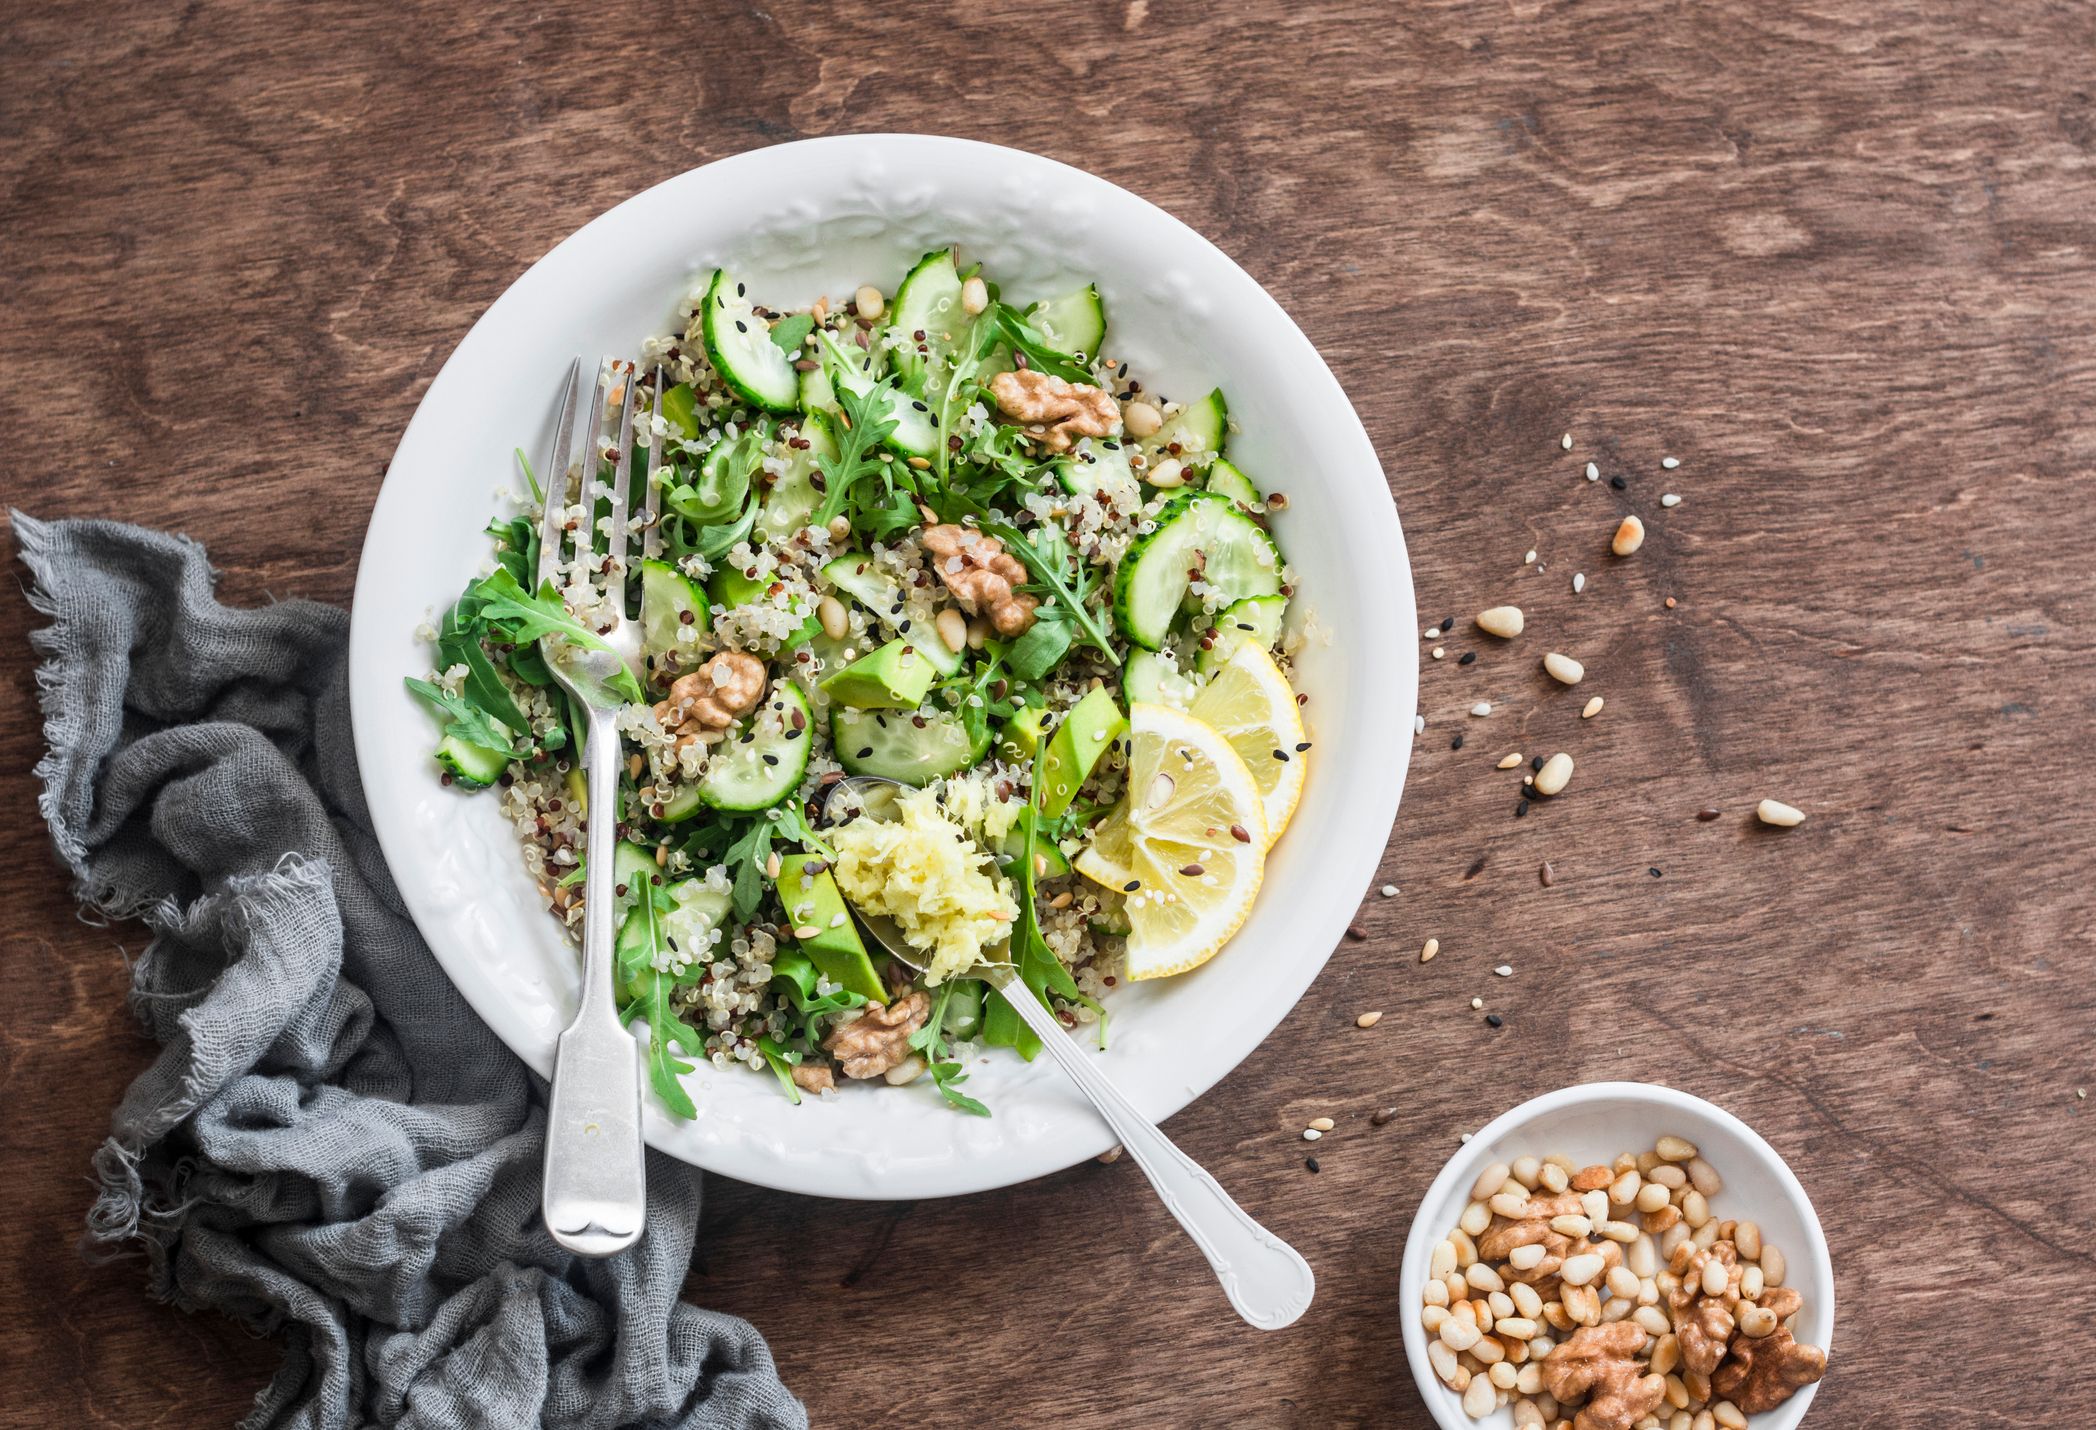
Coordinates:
(1311, 1163)
(1530, 558)
(1381, 1116)
(1476, 1003)
(1593, 472)
(1564, 669)
(1322, 1124)
(1670, 603)
(1565, 441)
(1670, 463)
(1356, 932)
(1521, 809)
(1593, 708)
(1466, 657)
(1618, 483)
(1653, 871)
(1505, 970)
(1555, 774)
(1507, 762)
(1438, 652)
(1311, 1134)
(1670, 499)
(1369, 1019)
(1431, 633)
(1456, 743)
(1477, 867)
(1535, 762)
(1506, 622)
(1630, 535)
(1495, 1020)
(1428, 949)
(1419, 724)
(1547, 874)
(1389, 891)
(1781, 815)
(1481, 709)
(1708, 813)
(1579, 582)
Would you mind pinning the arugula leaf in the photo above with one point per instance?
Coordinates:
(782, 1064)
(790, 332)
(865, 422)
(747, 857)
(1053, 582)
(520, 617)
(483, 688)
(1025, 338)
(929, 1042)
(718, 541)
(667, 1035)
(463, 721)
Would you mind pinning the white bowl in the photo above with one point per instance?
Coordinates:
(821, 217)
(1592, 1123)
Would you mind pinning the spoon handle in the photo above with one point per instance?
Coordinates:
(1264, 1277)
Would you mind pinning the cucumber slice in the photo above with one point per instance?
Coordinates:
(1075, 322)
(681, 806)
(680, 409)
(473, 766)
(717, 491)
(763, 761)
(816, 393)
(1256, 619)
(1197, 430)
(698, 912)
(1200, 532)
(1100, 468)
(632, 865)
(667, 598)
(1227, 479)
(891, 743)
(793, 498)
(1152, 679)
(1049, 860)
(850, 370)
(928, 302)
(739, 344)
(857, 577)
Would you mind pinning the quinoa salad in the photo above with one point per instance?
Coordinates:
(936, 537)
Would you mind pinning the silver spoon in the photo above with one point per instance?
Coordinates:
(1268, 1283)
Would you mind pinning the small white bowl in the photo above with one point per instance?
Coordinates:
(1592, 1123)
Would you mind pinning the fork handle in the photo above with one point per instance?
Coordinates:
(1266, 1279)
(595, 1191)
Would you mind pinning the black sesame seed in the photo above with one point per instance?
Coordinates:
(741, 292)
(1520, 809)
(1536, 763)
(1495, 1020)
(920, 407)
(1302, 747)
(1281, 755)
(771, 759)
(1456, 743)
(1311, 1163)
(1131, 886)
(740, 326)
(1654, 872)
(865, 752)
(1618, 483)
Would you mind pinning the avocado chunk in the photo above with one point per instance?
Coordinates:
(811, 901)
(729, 588)
(895, 677)
(1021, 739)
(1093, 723)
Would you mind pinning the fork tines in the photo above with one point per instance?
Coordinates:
(611, 408)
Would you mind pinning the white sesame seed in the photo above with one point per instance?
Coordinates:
(1428, 949)
(1579, 582)
(1593, 708)
(1505, 970)
(1530, 559)
(1593, 472)
(1670, 499)
(1389, 891)
(1670, 463)
(1419, 724)
(1432, 633)
(1565, 441)
(1311, 1134)
(1464, 1138)
(1477, 1003)
(1481, 709)
(1438, 652)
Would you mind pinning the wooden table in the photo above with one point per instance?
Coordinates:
(1839, 258)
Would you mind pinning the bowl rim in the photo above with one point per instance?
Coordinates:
(1470, 1158)
(1361, 467)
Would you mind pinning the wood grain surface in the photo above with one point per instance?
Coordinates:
(1839, 258)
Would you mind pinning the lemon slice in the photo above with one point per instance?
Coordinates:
(1249, 701)
(1105, 860)
(1191, 877)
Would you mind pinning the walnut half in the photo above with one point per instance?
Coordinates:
(1761, 1374)
(879, 1038)
(1596, 1361)
(981, 575)
(716, 695)
(1053, 411)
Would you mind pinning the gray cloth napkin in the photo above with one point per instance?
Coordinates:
(331, 1146)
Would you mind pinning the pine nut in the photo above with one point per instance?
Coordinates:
(1525, 1258)
(1622, 1281)
(1502, 1376)
(1621, 1232)
(1695, 1210)
(830, 611)
(1502, 1306)
(1629, 536)
(1526, 1415)
(1646, 1161)
(1579, 1270)
(1757, 1321)
(1663, 1219)
(1652, 1196)
(1775, 812)
(1520, 1328)
(953, 628)
(1171, 472)
(1442, 1261)
(1435, 1292)
(1680, 1420)
(1666, 1353)
(1676, 1392)
(1479, 1312)
(975, 296)
(1459, 1334)
(1457, 1288)
(1510, 1204)
(1595, 1204)
(1704, 1177)
(978, 632)
(868, 303)
(1443, 1361)
(1668, 1175)
(1433, 1317)
(1510, 759)
(1369, 1019)
(1672, 1237)
(1506, 622)
(1674, 1148)
(1526, 1171)
(1428, 949)
(1556, 772)
(1571, 1225)
(1773, 1266)
(1746, 1238)
(1623, 1191)
(1591, 709)
(1704, 1421)
(1715, 1278)
(1540, 1348)
(1483, 1277)
(1648, 1292)
(1488, 1350)
(1751, 1284)
(1729, 1415)
(1704, 1236)
(1643, 1256)
(1554, 1178)
(1652, 1319)
(1476, 1217)
(1479, 1399)
(1616, 1310)
(1526, 1300)
(1564, 669)
(1489, 1181)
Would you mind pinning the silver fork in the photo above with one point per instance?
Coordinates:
(595, 1190)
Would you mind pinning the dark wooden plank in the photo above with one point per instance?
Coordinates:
(1836, 257)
